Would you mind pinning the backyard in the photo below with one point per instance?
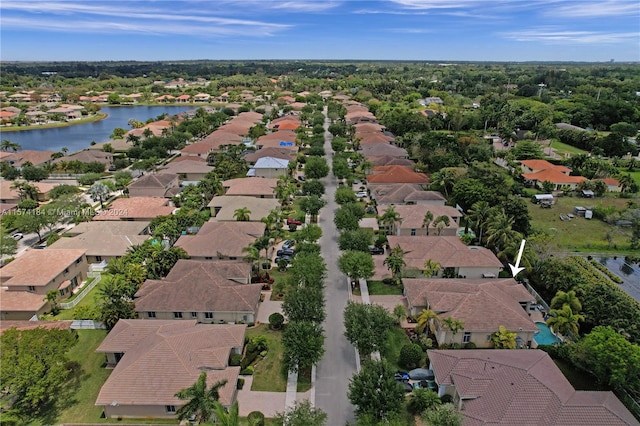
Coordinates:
(88, 303)
(580, 234)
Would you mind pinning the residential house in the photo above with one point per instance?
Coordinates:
(373, 138)
(613, 184)
(281, 139)
(103, 241)
(269, 167)
(482, 305)
(136, 209)
(413, 220)
(274, 152)
(69, 112)
(505, 386)
(187, 170)
(183, 98)
(10, 195)
(221, 240)
(223, 208)
(405, 193)
(207, 291)
(22, 325)
(396, 174)
(388, 160)
(153, 360)
(454, 257)
(36, 158)
(88, 156)
(381, 149)
(201, 97)
(166, 185)
(537, 172)
(26, 281)
(250, 186)
(285, 123)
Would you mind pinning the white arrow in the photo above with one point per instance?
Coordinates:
(515, 270)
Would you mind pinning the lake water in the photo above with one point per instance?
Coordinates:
(80, 136)
(629, 272)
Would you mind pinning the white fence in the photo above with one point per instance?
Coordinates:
(97, 277)
(87, 325)
(537, 296)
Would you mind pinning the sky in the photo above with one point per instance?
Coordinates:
(419, 30)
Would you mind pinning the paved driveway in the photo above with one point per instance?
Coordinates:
(267, 307)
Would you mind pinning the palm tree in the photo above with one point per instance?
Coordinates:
(431, 268)
(242, 214)
(6, 145)
(224, 417)
(440, 223)
(395, 263)
(626, 182)
(569, 298)
(426, 318)
(201, 401)
(428, 218)
(253, 255)
(478, 214)
(564, 321)
(389, 219)
(500, 231)
(453, 325)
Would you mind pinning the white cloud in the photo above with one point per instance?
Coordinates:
(306, 6)
(557, 35)
(574, 9)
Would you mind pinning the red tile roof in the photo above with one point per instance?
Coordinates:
(136, 208)
(39, 267)
(553, 176)
(396, 174)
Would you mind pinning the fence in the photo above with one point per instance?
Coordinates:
(87, 325)
(96, 279)
(537, 296)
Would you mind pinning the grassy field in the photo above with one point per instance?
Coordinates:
(99, 116)
(397, 339)
(378, 288)
(269, 374)
(566, 150)
(580, 234)
(635, 174)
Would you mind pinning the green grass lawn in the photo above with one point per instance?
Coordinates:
(397, 339)
(269, 374)
(378, 288)
(635, 174)
(564, 149)
(278, 276)
(580, 234)
(89, 301)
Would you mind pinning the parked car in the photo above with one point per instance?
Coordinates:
(421, 374)
(376, 250)
(288, 244)
(286, 252)
(402, 376)
(362, 194)
(291, 221)
(406, 386)
(17, 236)
(279, 258)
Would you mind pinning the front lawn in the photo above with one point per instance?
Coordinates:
(378, 288)
(566, 150)
(580, 234)
(269, 374)
(396, 340)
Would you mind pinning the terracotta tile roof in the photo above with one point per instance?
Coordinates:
(224, 238)
(400, 193)
(30, 325)
(8, 193)
(287, 123)
(272, 140)
(380, 149)
(144, 208)
(388, 160)
(396, 174)
(39, 267)
(104, 238)
(163, 357)
(253, 186)
(522, 387)
(275, 152)
(610, 181)
(483, 305)
(189, 158)
(450, 252)
(188, 165)
(228, 204)
(373, 138)
(413, 215)
(200, 286)
(537, 165)
(20, 301)
(369, 127)
(87, 156)
(199, 147)
(34, 157)
(553, 176)
(154, 181)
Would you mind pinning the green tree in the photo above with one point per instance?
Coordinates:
(303, 345)
(421, 400)
(35, 367)
(410, 355)
(242, 214)
(426, 222)
(367, 327)
(375, 392)
(442, 415)
(504, 339)
(303, 303)
(399, 313)
(440, 223)
(31, 222)
(609, 356)
(308, 269)
(313, 187)
(453, 325)
(200, 399)
(431, 268)
(347, 217)
(309, 233)
(500, 231)
(8, 245)
(316, 168)
(276, 320)
(426, 318)
(52, 299)
(566, 298)
(359, 239)
(99, 192)
(34, 174)
(311, 205)
(564, 321)
(226, 417)
(389, 219)
(6, 145)
(301, 414)
(395, 263)
(356, 265)
(345, 195)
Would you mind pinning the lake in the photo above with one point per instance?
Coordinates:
(80, 136)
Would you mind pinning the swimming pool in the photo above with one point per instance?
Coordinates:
(544, 336)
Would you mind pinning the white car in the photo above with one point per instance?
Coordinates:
(17, 236)
(361, 194)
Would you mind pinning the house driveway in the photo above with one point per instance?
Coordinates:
(268, 403)
(388, 302)
(267, 307)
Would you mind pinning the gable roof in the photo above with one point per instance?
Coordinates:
(163, 357)
(253, 186)
(38, 267)
(271, 163)
(413, 215)
(224, 238)
(460, 299)
(104, 238)
(271, 140)
(449, 252)
(379, 149)
(503, 386)
(538, 165)
(389, 160)
(373, 138)
(136, 208)
(160, 181)
(34, 157)
(259, 207)
(186, 166)
(200, 286)
(396, 174)
(275, 152)
(7, 192)
(399, 193)
(553, 176)
(20, 301)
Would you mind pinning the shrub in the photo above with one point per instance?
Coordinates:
(247, 371)
(235, 360)
(28, 204)
(276, 320)
(240, 383)
(248, 359)
(470, 345)
(256, 418)
(446, 398)
(88, 179)
(410, 355)
(52, 238)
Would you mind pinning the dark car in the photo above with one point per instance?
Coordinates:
(292, 221)
(279, 258)
(288, 244)
(286, 252)
(376, 250)
(421, 374)
(401, 376)
(406, 386)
